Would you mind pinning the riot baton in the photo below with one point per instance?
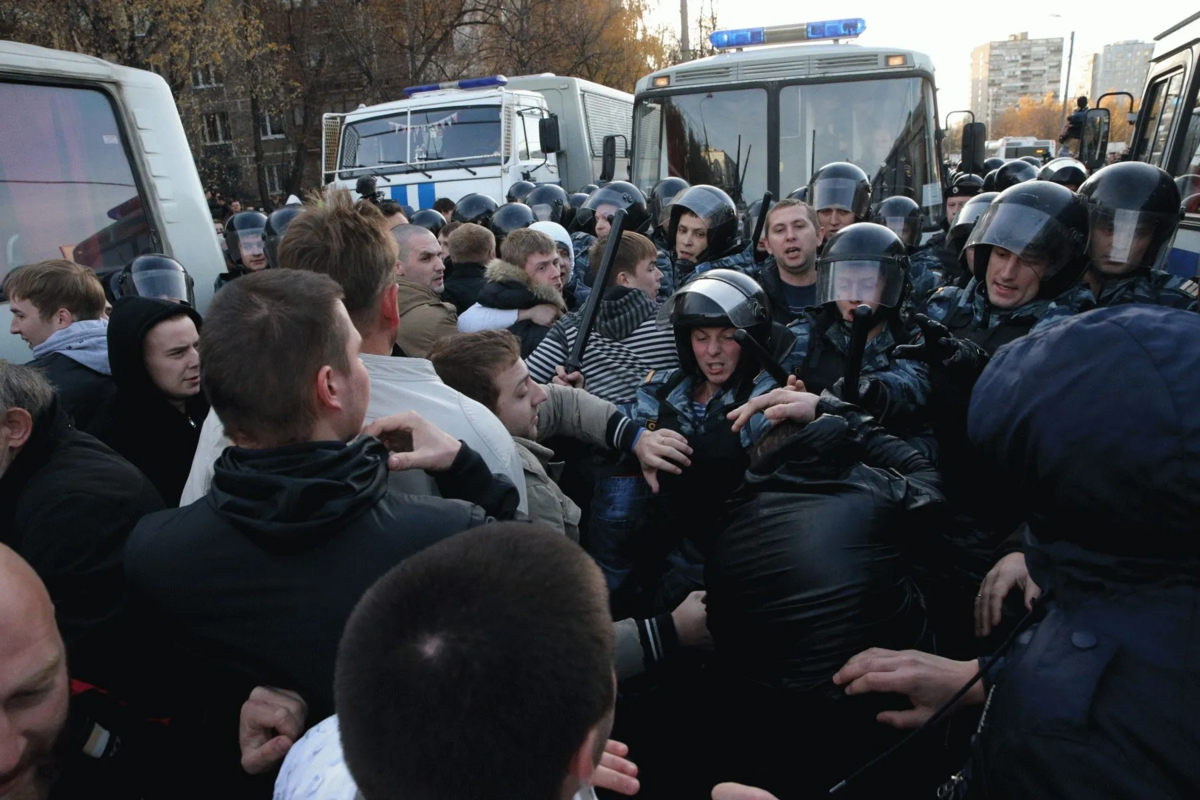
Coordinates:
(759, 224)
(587, 319)
(768, 363)
(854, 358)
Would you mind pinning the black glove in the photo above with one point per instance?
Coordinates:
(873, 396)
(939, 347)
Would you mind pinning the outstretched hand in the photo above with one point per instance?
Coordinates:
(791, 402)
(664, 450)
(929, 681)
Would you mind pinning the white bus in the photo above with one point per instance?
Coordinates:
(757, 117)
(477, 135)
(1010, 147)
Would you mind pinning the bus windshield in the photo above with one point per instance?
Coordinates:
(720, 137)
(411, 139)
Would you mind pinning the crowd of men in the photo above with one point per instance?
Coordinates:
(488, 499)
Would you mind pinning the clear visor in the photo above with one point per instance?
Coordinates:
(854, 281)
(1127, 237)
(707, 206)
(543, 212)
(607, 196)
(1033, 235)
(251, 240)
(709, 298)
(904, 227)
(842, 193)
(164, 284)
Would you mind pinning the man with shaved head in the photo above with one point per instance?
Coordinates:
(424, 318)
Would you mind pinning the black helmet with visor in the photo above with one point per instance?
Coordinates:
(719, 298)
(1133, 213)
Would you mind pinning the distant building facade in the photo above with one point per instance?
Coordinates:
(1121, 67)
(1003, 72)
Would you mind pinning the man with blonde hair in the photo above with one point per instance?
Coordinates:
(58, 309)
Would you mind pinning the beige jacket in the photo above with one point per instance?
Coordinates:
(566, 412)
(424, 318)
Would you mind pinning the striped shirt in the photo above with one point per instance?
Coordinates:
(625, 346)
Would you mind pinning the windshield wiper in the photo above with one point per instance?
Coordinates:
(460, 163)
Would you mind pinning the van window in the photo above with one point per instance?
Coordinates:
(530, 137)
(1162, 103)
(1189, 157)
(66, 185)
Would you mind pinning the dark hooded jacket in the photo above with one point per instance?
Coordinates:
(150, 432)
(67, 505)
(509, 287)
(463, 284)
(258, 577)
(1100, 698)
(810, 567)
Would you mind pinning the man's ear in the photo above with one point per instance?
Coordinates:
(820, 235)
(330, 389)
(62, 318)
(389, 309)
(18, 427)
(623, 279)
(583, 763)
(492, 254)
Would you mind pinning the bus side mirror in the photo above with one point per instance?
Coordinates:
(548, 134)
(608, 160)
(974, 136)
(1093, 144)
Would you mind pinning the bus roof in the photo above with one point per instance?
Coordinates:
(17, 58)
(784, 62)
(439, 99)
(1176, 37)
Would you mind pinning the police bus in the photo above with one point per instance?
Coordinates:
(1166, 130)
(1009, 147)
(758, 117)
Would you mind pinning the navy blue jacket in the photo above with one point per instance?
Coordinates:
(1094, 421)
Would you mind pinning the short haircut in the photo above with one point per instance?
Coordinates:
(471, 244)
(266, 336)
(390, 208)
(523, 243)
(1081, 102)
(632, 250)
(346, 242)
(25, 387)
(404, 235)
(788, 202)
(480, 663)
(449, 228)
(470, 362)
(443, 205)
(54, 284)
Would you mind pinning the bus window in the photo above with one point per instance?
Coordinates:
(1189, 157)
(1163, 100)
(66, 185)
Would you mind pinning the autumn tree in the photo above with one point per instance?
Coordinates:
(1040, 118)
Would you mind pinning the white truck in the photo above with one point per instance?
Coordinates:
(481, 135)
(94, 168)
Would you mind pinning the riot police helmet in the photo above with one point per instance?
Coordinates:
(1045, 225)
(158, 276)
(519, 191)
(277, 224)
(841, 185)
(661, 196)
(902, 216)
(1034, 160)
(800, 194)
(511, 217)
(1133, 212)
(964, 221)
(1066, 172)
(476, 208)
(719, 298)
(995, 162)
(603, 203)
(750, 219)
(430, 220)
(863, 263)
(989, 181)
(589, 188)
(718, 212)
(1014, 172)
(244, 241)
(548, 202)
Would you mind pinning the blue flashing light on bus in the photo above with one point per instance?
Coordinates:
(465, 83)
(780, 34)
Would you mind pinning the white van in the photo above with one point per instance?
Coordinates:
(481, 135)
(94, 168)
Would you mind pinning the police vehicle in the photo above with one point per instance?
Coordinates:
(1166, 131)
(1008, 147)
(479, 135)
(773, 106)
(94, 168)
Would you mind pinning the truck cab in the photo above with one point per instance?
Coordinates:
(94, 168)
(479, 135)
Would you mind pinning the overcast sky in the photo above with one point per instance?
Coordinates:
(949, 31)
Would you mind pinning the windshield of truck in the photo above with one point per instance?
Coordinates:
(717, 138)
(411, 140)
(66, 184)
(881, 126)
